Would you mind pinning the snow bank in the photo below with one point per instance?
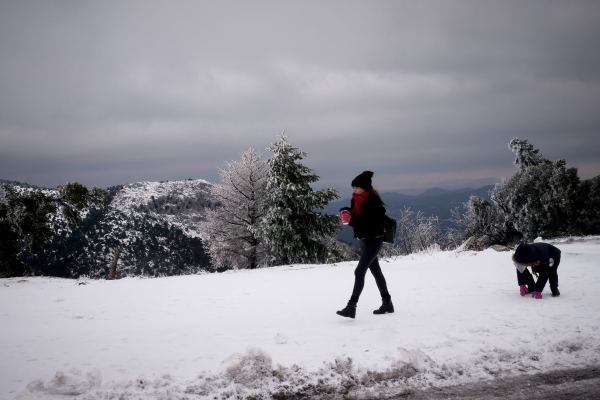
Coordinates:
(72, 382)
(273, 332)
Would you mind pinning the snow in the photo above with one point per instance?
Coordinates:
(141, 193)
(459, 318)
(138, 194)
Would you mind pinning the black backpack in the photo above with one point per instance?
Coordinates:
(389, 228)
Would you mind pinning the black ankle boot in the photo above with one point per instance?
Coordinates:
(386, 307)
(349, 311)
(555, 292)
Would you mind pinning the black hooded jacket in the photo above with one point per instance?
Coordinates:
(544, 252)
(370, 222)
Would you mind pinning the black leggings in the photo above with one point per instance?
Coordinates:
(368, 260)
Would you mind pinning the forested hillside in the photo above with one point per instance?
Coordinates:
(154, 224)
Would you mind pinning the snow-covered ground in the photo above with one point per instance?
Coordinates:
(459, 318)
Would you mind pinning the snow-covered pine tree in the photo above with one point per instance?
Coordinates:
(525, 155)
(538, 200)
(588, 206)
(229, 229)
(293, 227)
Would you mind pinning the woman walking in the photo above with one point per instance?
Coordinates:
(366, 217)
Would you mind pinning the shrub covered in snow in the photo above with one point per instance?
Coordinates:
(478, 221)
(416, 233)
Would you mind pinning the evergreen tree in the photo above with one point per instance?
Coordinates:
(525, 155)
(588, 207)
(543, 198)
(24, 220)
(229, 229)
(293, 228)
(538, 200)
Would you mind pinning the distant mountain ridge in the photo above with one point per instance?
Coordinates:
(19, 184)
(462, 184)
(436, 191)
(154, 224)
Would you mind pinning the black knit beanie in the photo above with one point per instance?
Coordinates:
(363, 180)
(525, 254)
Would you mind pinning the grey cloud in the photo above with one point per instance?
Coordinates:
(112, 92)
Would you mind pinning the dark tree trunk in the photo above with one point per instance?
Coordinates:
(113, 267)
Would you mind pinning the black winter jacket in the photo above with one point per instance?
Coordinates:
(370, 222)
(544, 252)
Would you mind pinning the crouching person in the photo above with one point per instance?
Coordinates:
(543, 259)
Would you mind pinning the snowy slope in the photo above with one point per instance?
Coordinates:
(140, 193)
(179, 203)
(459, 318)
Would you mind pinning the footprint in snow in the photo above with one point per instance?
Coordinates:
(281, 338)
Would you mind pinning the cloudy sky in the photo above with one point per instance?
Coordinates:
(421, 92)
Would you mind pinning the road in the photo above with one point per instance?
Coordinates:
(573, 384)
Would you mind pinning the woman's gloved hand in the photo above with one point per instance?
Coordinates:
(523, 289)
(345, 217)
(537, 295)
